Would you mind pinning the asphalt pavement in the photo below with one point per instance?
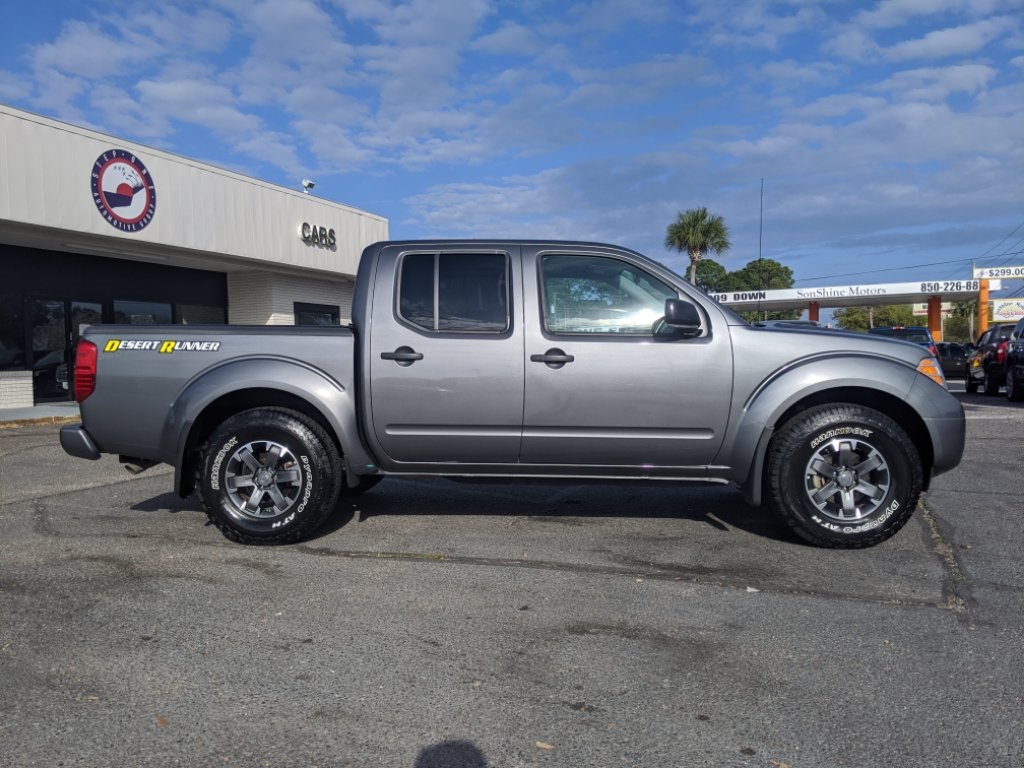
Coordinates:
(435, 623)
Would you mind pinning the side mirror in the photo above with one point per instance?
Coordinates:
(681, 318)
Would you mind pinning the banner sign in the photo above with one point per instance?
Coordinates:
(1013, 273)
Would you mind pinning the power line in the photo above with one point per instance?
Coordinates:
(1007, 253)
(1003, 240)
(888, 269)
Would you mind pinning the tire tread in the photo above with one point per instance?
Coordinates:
(793, 434)
(330, 469)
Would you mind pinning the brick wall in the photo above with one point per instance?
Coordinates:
(265, 298)
(15, 389)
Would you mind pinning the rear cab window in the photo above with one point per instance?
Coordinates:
(455, 292)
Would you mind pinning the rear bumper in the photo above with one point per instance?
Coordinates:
(77, 442)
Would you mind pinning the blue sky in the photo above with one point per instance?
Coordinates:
(890, 135)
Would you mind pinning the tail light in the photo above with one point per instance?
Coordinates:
(85, 370)
(1001, 348)
(934, 350)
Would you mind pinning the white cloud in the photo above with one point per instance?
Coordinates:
(510, 39)
(893, 13)
(199, 102)
(334, 150)
(840, 105)
(758, 24)
(954, 41)
(13, 87)
(87, 51)
(937, 84)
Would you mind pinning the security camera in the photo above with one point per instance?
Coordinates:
(307, 184)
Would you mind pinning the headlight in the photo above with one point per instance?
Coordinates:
(929, 366)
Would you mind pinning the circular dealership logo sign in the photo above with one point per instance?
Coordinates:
(123, 190)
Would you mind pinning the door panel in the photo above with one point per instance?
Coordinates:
(626, 399)
(446, 356)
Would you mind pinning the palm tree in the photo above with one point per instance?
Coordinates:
(697, 232)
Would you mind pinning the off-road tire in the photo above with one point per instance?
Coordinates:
(843, 476)
(269, 476)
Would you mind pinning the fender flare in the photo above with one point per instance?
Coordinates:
(808, 380)
(332, 399)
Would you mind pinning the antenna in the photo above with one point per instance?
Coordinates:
(760, 230)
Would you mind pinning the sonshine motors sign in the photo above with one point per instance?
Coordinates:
(838, 295)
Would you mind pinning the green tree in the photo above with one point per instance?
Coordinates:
(762, 275)
(958, 328)
(697, 232)
(861, 318)
(711, 275)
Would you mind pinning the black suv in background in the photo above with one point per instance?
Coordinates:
(986, 367)
(1015, 363)
(914, 333)
(952, 358)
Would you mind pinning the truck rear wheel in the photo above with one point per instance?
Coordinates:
(1014, 391)
(991, 385)
(269, 476)
(844, 476)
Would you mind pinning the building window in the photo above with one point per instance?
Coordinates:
(141, 313)
(12, 332)
(460, 292)
(317, 314)
(196, 314)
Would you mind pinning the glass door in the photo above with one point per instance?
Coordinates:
(57, 325)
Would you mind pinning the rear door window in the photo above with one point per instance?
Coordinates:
(455, 292)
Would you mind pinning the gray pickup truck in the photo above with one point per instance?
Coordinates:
(526, 359)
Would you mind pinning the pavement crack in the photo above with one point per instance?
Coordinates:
(954, 589)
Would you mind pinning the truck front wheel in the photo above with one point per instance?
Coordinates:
(269, 476)
(844, 475)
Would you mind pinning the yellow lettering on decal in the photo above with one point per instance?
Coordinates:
(167, 347)
(112, 345)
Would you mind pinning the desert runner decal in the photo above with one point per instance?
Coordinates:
(163, 347)
(123, 190)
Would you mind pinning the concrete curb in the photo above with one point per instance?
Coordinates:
(41, 420)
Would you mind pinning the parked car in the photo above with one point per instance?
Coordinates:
(917, 334)
(1015, 363)
(986, 368)
(952, 358)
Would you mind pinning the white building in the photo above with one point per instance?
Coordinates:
(97, 229)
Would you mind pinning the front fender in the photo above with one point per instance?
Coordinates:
(829, 377)
(334, 400)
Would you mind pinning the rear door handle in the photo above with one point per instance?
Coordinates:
(403, 356)
(553, 358)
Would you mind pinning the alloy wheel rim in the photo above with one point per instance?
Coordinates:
(262, 480)
(847, 479)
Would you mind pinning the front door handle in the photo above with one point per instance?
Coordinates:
(553, 358)
(403, 356)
